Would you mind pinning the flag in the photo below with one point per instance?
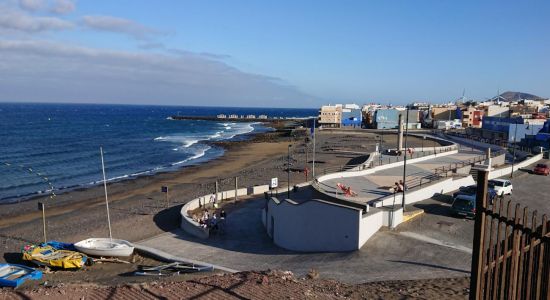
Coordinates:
(312, 129)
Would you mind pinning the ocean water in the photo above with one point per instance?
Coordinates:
(59, 143)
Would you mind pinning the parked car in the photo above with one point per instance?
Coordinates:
(464, 205)
(501, 186)
(541, 169)
(471, 191)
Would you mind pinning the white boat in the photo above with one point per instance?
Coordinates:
(105, 247)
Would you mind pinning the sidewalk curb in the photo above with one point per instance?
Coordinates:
(159, 254)
(407, 216)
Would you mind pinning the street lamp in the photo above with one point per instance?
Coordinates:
(288, 172)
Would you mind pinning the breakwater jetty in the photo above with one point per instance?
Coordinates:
(237, 118)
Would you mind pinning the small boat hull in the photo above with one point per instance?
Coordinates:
(105, 247)
(52, 257)
(15, 275)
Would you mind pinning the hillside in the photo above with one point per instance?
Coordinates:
(513, 96)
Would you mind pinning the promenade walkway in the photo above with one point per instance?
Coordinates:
(377, 185)
(246, 246)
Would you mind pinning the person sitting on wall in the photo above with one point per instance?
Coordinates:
(205, 218)
(398, 187)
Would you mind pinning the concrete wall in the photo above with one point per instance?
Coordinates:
(498, 160)
(350, 173)
(428, 191)
(507, 170)
(313, 226)
(258, 189)
(366, 164)
(192, 227)
(188, 224)
(370, 224)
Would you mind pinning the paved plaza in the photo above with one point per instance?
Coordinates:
(377, 185)
(400, 254)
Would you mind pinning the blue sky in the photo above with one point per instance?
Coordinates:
(272, 53)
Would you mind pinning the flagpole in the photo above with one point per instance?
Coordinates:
(313, 159)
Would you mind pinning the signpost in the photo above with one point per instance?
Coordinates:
(274, 183)
(164, 189)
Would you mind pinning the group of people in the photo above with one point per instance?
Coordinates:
(213, 222)
(400, 186)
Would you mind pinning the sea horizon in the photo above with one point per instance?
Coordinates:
(60, 142)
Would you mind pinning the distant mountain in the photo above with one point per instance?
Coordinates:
(514, 96)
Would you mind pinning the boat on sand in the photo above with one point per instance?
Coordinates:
(105, 247)
(52, 257)
(12, 275)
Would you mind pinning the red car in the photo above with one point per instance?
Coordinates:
(541, 169)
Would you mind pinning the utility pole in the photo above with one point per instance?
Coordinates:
(313, 159)
(405, 158)
(236, 187)
(288, 172)
(306, 171)
(514, 148)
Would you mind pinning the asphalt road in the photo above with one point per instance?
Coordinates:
(532, 190)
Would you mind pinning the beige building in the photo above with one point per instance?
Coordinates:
(330, 116)
(443, 113)
(472, 117)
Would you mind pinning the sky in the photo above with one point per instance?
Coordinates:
(282, 53)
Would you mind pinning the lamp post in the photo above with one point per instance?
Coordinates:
(288, 172)
(381, 138)
(405, 158)
(423, 138)
(514, 149)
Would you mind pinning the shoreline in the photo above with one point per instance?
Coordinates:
(138, 208)
(230, 147)
(222, 145)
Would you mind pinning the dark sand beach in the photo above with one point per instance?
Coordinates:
(138, 208)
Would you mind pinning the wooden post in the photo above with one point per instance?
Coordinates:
(216, 197)
(42, 206)
(236, 188)
(479, 235)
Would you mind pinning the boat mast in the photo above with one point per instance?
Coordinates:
(106, 199)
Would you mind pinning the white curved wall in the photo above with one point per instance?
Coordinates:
(192, 227)
(188, 224)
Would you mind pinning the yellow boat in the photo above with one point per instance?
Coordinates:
(51, 257)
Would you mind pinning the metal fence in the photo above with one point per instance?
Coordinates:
(382, 160)
(511, 255)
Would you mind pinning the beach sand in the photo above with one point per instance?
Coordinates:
(138, 209)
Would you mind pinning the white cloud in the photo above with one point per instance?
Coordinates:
(63, 7)
(55, 6)
(119, 25)
(17, 20)
(32, 5)
(48, 71)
